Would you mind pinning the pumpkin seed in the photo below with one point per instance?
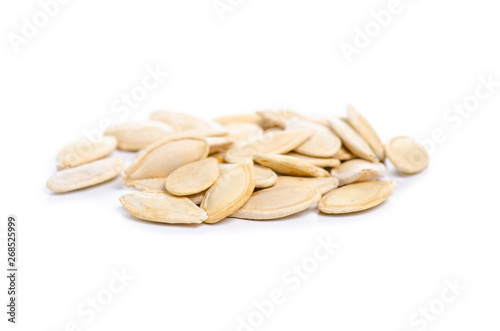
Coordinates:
(244, 118)
(366, 131)
(288, 165)
(85, 175)
(323, 143)
(138, 135)
(321, 162)
(242, 131)
(264, 177)
(193, 177)
(356, 197)
(352, 140)
(407, 155)
(322, 184)
(358, 171)
(181, 122)
(216, 144)
(344, 155)
(85, 151)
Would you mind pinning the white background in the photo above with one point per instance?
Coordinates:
(439, 225)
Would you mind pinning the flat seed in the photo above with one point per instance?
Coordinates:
(163, 208)
(264, 177)
(244, 118)
(322, 184)
(358, 171)
(148, 184)
(230, 192)
(407, 155)
(278, 202)
(321, 162)
(85, 151)
(352, 140)
(278, 118)
(344, 155)
(323, 143)
(181, 122)
(193, 177)
(85, 175)
(356, 197)
(273, 143)
(138, 135)
(366, 131)
(242, 131)
(288, 165)
(162, 157)
(216, 144)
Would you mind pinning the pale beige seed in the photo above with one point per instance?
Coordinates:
(148, 184)
(230, 192)
(138, 135)
(322, 184)
(85, 175)
(273, 143)
(219, 156)
(245, 118)
(179, 121)
(213, 132)
(242, 131)
(85, 151)
(344, 155)
(288, 165)
(322, 162)
(358, 171)
(193, 177)
(264, 177)
(323, 143)
(278, 118)
(407, 155)
(356, 197)
(352, 140)
(217, 144)
(366, 131)
(278, 202)
(162, 157)
(163, 208)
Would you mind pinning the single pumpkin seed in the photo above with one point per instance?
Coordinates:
(216, 144)
(352, 140)
(366, 131)
(344, 155)
(244, 118)
(358, 171)
(242, 131)
(193, 177)
(356, 197)
(288, 165)
(181, 122)
(264, 177)
(323, 143)
(138, 135)
(407, 155)
(85, 151)
(322, 162)
(322, 184)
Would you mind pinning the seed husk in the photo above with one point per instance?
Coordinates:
(274, 143)
(163, 208)
(366, 131)
(230, 192)
(217, 144)
(193, 177)
(356, 197)
(85, 175)
(84, 151)
(358, 171)
(279, 118)
(352, 140)
(253, 118)
(181, 122)
(264, 177)
(138, 135)
(322, 162)
(344, 155)
(278, 202)
(288, 165)
(322, 184)
(242, 131)
(407, 155)
(323, 143)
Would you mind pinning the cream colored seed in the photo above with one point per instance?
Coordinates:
(366, 131)
(322, 162)
(278, 202)
(322, 184)
(216, 144)
(181, 122)
(254, 118)
(85, 175)
(352, 140)
(407, 155)
(163, 208)
(288, 165)
(230, 192)
(85, 151)
(344, 155)
(264, 177)
(242, 131)
(358, 171)
(356, 197)
(323, 143)
(193, 177)
(138, 135)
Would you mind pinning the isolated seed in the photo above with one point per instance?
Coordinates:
(344, 155)
(358, 171)
(193, 177)
(162, 207)
(273, 143)
(288, 165)
(85, 151)
(352, 140)
(242, 131)
(85, 175)
(162, 157)
(181, 122)
(138, 135)
(218, 143)
(230, 192)
(356, 197)
(323, 143)
(366, 131)
(322, 184)
(322, 162)
(407, 155)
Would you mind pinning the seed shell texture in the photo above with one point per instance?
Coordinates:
(288, 165)
(323, 143)
(352, 140)
(193, 177)
(407, 155)
(264, 177)
(322, 184)
(216, 144)
(242, 131)
(181, 122)
(358, 171)
(85, 151)
(344, 155)
(138, 135)
(322, 162)
(366, 131)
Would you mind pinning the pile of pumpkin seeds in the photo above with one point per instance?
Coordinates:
(261, 166)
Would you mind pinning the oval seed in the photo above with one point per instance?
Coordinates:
(356, 197)
(366, 131)
(216, 144)
(85, 175)
(162, 207)
(230, 192)
(407, 155)
(274, 143)
(242, 131)
(138, 135)
(344, 155)
(278, 202)
(352, 140)
(179, 121)
(193, 177)
(264, 177)
(322, 162)
(323, 143)
(288, 165)
(358, 171)
(322, 184)
(244, 118)
(84, 151)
